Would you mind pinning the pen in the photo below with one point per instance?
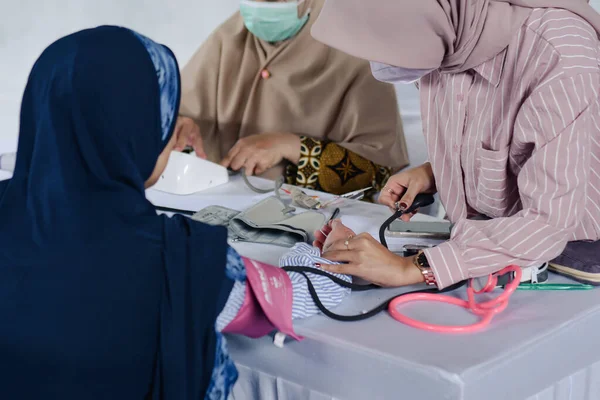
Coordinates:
(356, 193)
(175, 210)
(334, 214)
(553, 286)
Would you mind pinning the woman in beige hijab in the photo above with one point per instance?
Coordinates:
(511, 116)
(267, 97)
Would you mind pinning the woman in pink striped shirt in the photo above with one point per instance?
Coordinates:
(511, 116)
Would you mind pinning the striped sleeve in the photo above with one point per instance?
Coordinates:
(556, 121)
(302, 255)
(330, 293)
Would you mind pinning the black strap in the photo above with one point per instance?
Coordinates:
(357, 288)
(361, 288)
(174, 210)
(341, 282)
(386, 224)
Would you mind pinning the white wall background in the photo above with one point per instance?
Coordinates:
(28, 26)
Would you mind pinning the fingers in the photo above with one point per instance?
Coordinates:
(198, 146)
(354, 244)
(236, 158)
(393, 190)
(180, 133)
(344, 269)
(409, 196)
(187, 133)
(226, 161)
(408, 217)
(341, 256)
(255, 164)
(389, 197)
(337, 224)
(261, 167)
(177, 131)
(324, 231)
(320, 237)
(318, 244)
(250, 165)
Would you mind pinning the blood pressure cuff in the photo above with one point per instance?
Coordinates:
(266, 222)
(268, 302)
(579, 261)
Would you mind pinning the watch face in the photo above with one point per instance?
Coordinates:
(422, 260)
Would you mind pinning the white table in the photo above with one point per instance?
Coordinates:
(542, 347)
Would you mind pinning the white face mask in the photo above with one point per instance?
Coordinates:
(390, 74)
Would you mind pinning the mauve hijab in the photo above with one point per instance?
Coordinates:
(452, 35)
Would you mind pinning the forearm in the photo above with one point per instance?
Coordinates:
(553, 205)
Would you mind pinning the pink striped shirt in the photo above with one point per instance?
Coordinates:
(517, 139)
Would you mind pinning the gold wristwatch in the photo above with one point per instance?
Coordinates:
(421, 262)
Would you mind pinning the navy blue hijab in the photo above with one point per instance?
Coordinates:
(99, 296)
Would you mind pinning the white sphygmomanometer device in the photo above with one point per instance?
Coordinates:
(186, 174)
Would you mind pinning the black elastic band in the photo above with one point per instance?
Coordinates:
(361, 288)
(341, 282)
(359, 317)
(386, 224)
(174, 210)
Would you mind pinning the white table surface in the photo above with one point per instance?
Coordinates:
(540, 346)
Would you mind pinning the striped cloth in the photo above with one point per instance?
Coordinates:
(517, 139)
(302, 254)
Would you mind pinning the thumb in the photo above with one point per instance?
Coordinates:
(409, 197)
(336, 223)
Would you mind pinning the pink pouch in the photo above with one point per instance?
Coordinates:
(268, 302)
(250, 320)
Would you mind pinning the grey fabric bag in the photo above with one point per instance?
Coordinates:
(266, 222)
(580, 261)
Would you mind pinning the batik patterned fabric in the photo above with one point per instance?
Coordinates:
(167, 72)
(224, 373)
(328, 167)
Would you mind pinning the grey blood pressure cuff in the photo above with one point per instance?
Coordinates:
(580, 261)
(266, 222)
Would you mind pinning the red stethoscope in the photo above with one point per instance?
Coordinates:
(486, 310)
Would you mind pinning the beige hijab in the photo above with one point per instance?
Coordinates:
(313, 90)
(454, 35)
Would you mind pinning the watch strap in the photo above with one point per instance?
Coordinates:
(422, 263)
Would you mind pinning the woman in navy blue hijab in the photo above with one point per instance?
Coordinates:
(98, 297)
